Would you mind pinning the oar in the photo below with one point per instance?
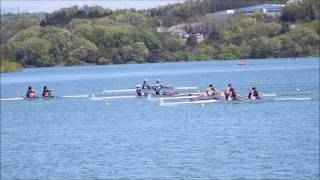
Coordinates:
(118, 90)
(11, 99)
(269, 95)
(174, 97)
(186, 88)
(293, 99)
(112, 97)
(76, 96)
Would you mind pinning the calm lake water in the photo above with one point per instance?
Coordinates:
(78, 138)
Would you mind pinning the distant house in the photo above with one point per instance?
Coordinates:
(292, 27)
(200, 38)
(180, 33)
(162, 30)
(174, 31)
(273, 10)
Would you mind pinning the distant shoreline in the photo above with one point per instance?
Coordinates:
(236, 60)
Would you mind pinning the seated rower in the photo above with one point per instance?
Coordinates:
(230, 93)
(46, 92)
(31, 93)
(145, 84)
(157, 89)
(139, 91)
(158, 83)
(210, 91)
(227, 91)
(254, 94)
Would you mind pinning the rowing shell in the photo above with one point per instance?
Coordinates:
(201, 101)
(162, 103)
(133, 90)
(150, 96)
(45, 98)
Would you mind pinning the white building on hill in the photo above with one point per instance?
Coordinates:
(294, 1)
(273, 10)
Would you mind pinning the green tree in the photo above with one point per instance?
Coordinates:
(191, 41)
(34, 52)
(9, 66)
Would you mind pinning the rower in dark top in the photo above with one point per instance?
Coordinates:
(31, 93)
(254, 94)
(145, 84)
(139, 91)
(157, 89)
(230, 93)
(46, 92)
(227, 91)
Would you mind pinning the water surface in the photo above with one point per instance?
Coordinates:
(136, 138)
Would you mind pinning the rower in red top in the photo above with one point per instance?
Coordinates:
(46, 92)
(31, 93)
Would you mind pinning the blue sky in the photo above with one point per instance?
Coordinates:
(52, 5)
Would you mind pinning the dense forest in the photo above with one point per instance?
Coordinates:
(95, 35)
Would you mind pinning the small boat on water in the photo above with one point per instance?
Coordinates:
(242, 62)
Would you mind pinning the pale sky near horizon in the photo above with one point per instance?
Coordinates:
(53, 5)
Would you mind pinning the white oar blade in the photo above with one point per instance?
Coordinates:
(76, 96)
(293, 99)
(269, 95)
(175, 97)
(119, 90)
(188, 102)
(185, 88)
(11, 99)
(112, 97)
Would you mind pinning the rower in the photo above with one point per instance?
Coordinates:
(157, 89)
(145, 84)
(254, 94)
(139, 91)
(158, 83)
(31, 93)
(227, 91)
(210, 91)
(230, 93)
(46, 92)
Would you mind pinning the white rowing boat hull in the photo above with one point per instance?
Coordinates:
(187, 102)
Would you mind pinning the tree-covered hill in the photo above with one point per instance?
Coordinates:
(94, 35)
